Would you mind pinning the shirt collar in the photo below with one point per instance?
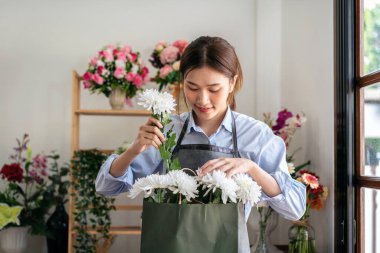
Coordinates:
(226, 123)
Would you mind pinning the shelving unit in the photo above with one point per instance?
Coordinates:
(75, 145)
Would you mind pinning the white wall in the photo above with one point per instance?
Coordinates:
(306, 83)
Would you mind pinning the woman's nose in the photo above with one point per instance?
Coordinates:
(202, 97)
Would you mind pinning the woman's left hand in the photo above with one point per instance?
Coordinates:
(230, 166)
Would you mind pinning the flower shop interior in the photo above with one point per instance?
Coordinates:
(300, 59)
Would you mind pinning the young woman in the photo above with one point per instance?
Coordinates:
(212, 136)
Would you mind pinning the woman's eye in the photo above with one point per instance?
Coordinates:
(215, 90)
(191, 88)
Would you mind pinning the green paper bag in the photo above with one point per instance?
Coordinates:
(193, 228)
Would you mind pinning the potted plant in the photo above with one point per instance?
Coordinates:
(91, 210)
(118, 72)
(25, 179)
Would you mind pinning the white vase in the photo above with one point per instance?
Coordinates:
(14, 239)
(117, 99)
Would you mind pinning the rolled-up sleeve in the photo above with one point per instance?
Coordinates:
(291, 202)
(144, 164)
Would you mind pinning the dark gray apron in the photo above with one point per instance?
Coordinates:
(194, 156)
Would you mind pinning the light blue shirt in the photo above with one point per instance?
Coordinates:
(256, 142)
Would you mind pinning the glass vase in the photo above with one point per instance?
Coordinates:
(263, 222)
(301, 237)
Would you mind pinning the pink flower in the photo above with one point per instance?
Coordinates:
(98, 79)
(169, 55)
(87, 84)
(107, 54)
(101, 70)
(137, 81)
(119, 73)
(127, 49)
(144, 71)
(311, 180)
(181, 45)
(130, 76)
(165, 70)
(128, 101)
(87, 76)
(121, 56)
(43, 172)
(132, 57)
(33, 174)
(39, 161)
(94, 61)
(160, 46)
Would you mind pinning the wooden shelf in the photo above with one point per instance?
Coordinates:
(117, 230)
(112, 112)
(75, 145)
(128, 207)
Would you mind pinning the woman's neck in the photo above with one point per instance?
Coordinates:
(209, 126)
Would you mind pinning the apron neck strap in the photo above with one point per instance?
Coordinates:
(184, 129)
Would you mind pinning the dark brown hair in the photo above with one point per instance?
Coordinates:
(216, 53)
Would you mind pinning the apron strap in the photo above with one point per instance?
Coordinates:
(179, 141)
(234, 137)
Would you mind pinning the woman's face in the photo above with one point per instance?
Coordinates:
(206, 91)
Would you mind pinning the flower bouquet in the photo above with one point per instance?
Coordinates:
(301, 234)
(166, 58)
(184, 212)
(26, 186)
(118, 73)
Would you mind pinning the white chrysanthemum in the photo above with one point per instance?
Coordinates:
(291, 168)
(183, 183)
(148, 184)
(248, 190)
(158, 102)
(217, 179)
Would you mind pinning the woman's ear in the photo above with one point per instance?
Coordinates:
(232, 84)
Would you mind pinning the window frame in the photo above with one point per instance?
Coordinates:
(349, 121)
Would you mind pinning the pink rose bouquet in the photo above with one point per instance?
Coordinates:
(166, 58)
(116, 67)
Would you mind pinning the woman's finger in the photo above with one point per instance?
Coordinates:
(212, 165)
(154, 130)
(154, 121)
(150, 142)
(153, 137)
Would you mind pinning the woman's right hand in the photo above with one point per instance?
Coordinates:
(149, 135)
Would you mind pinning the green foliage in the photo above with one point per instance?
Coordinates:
(91, 210)
(167, 147)
(371, 39)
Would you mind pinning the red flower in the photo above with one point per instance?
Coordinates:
(309, 172)
(13, 172)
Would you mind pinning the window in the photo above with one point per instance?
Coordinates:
(357, 124)
(367, 132)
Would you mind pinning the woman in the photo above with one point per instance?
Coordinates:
(211, 136)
